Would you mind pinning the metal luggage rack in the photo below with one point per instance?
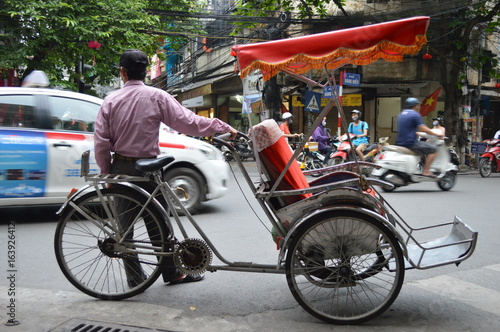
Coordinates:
(454, 247)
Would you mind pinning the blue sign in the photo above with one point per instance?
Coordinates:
(328, 92)
(352, 79)
(23, 164)
(477, 147)
(313, 101)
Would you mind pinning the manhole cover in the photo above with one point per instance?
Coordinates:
(82, 325)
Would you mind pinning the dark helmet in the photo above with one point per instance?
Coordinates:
(411, 102)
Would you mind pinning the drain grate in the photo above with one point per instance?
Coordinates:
(82, 325)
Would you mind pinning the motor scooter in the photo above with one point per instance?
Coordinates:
(490, 160)
(401, 166)
(243, 150)
(344, 154)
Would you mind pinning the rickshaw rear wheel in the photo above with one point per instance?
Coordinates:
(331, 263)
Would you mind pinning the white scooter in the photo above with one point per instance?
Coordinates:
(401, 166)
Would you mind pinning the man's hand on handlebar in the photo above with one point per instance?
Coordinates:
(233, 132)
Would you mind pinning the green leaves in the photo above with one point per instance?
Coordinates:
(52, 35)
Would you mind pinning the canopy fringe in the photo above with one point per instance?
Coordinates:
(302, 63)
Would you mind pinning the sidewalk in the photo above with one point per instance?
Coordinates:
(467, 170)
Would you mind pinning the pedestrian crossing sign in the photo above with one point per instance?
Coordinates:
(313, 101)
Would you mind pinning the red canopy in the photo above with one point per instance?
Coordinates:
(360, 46)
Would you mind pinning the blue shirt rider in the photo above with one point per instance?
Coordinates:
(409, 122)
(360, 130)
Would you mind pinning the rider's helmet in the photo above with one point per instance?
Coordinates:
(411, 102)
(357, 112)
(439, 119)
(286, 115)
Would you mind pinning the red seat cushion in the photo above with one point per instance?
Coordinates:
(274, 153)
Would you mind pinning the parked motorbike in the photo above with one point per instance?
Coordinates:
(455, 160)
(344, 154)
(401, 166)
(490, 160)
(310, 158)
(242, 148)
(374, 149)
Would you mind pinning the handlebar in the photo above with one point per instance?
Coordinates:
(224, 139)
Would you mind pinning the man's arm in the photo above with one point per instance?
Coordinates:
(427, 130)
(102, 143)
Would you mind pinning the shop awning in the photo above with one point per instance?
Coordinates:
(360, 46)
(200, 88)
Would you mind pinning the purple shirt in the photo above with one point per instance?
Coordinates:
(128, 123)
(321, 136)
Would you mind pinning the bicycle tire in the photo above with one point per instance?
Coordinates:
(335, 271)
(89, 254)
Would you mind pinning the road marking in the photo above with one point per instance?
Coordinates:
(466, 292)
(495, 267)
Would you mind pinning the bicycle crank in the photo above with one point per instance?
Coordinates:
(192, 256)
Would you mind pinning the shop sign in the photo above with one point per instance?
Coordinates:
(193, 102)
(352, 100)
(296, 102)
(201, 91)
(347, 100)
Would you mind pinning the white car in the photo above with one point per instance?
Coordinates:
(43, 133)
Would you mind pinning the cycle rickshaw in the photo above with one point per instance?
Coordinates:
(342, 247)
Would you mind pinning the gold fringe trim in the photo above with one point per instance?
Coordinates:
(338, 58)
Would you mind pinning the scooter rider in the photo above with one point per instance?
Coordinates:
(320, 135)
(285, 125)
(409, 123)
(360, 130)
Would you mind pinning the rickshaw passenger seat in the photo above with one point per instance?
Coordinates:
(274, 154)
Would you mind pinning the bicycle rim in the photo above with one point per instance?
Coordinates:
(108, 250)
(344, 269)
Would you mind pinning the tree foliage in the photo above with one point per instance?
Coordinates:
(460, 34)
(53, 35)
(303, 8)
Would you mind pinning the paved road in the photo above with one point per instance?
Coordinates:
(450, 298)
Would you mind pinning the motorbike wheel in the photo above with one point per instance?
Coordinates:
(485, 167)
(315, 164)
(447, 181)
(383, 178)
(335, 161)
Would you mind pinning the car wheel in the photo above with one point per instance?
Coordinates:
(191, 186)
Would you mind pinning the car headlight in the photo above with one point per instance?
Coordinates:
(211, 152)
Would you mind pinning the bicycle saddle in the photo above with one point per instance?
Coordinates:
(149, 165)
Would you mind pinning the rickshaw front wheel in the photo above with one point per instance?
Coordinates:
(331, 265)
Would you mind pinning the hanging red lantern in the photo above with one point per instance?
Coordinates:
(427, 57)
(94, 45)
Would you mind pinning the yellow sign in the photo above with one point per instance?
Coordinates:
(352, 100)
(296, 102)
(347, 100)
